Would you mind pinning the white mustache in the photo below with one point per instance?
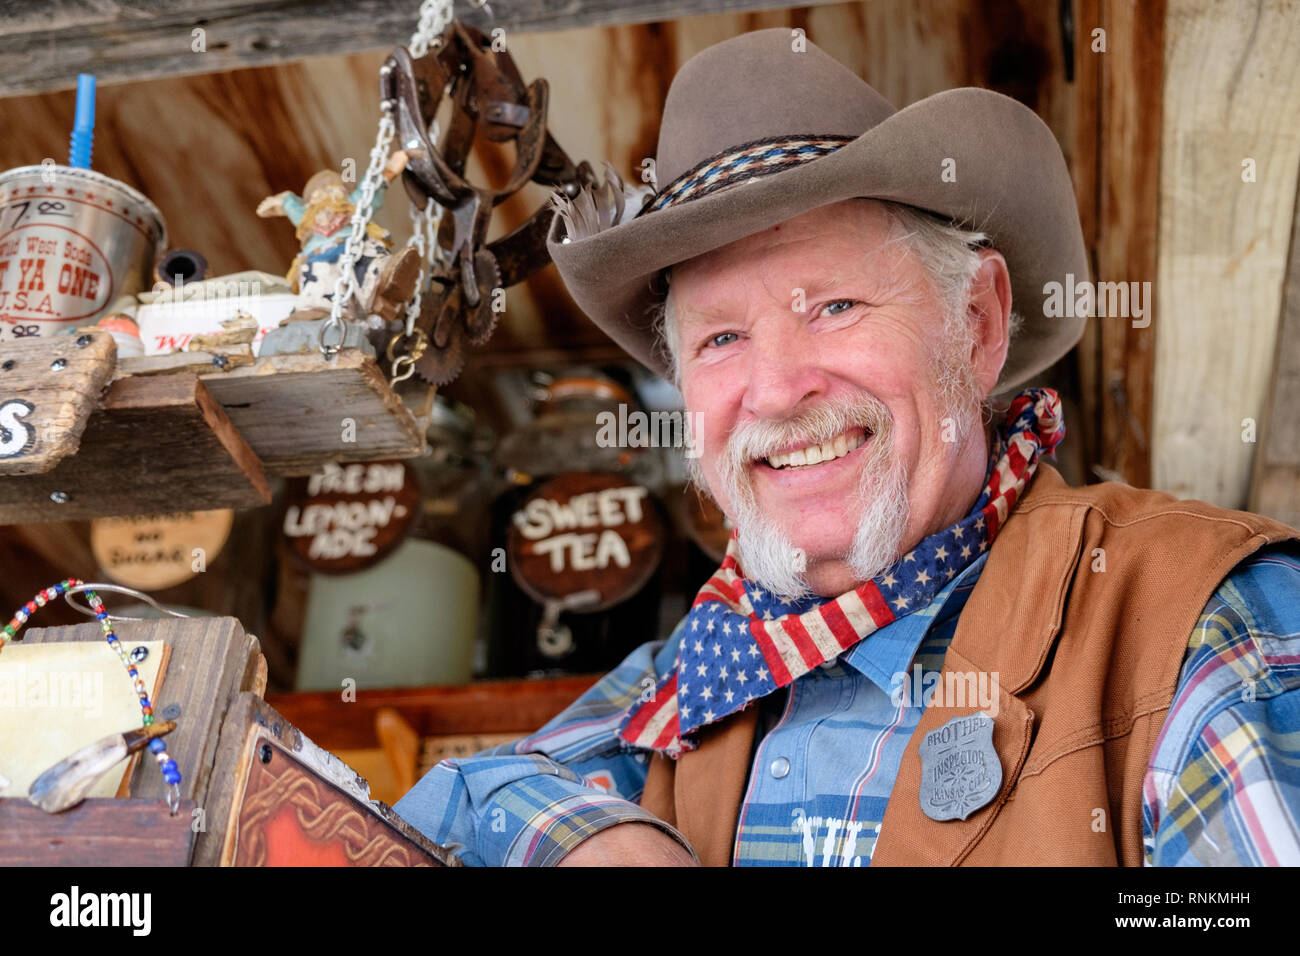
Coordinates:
(758, 440)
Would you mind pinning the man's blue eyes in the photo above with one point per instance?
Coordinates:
(847, 303)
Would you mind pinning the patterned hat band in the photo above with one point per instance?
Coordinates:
(761, 157)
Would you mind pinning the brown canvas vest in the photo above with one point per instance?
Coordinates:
(1088, 661)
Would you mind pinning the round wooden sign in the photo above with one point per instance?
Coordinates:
(154, 552)
(347, 517)
(585, 531)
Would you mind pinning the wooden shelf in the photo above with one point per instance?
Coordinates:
(293, 410)
(188, 431)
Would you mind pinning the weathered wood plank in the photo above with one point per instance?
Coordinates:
(121, 41)
(48, 389)
(298, 411)
(101, 831)
(1125, 223)
(198, 361)
(168, 440)
(158, 443)
(1275, 486)
(1084, 145)
(1231, 94)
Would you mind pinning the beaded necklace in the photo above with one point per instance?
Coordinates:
(171, 773)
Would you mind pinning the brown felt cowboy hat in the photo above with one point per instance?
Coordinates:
(764, 126)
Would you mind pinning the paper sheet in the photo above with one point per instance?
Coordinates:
(56, 698)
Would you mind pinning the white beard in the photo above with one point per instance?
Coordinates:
(769, 559)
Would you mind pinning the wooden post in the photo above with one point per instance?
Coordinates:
(1228, 164)
(1119, 73)
(1275, 490)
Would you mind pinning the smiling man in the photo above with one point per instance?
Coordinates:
(922, 647)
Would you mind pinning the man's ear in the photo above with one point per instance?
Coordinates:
(989, 312)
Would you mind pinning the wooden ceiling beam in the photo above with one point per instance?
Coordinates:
(44, 46)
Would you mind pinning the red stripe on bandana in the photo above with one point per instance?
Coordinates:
(990, 513)
(1016, 459)
(668, 735)
(876, 604)
(780, 673)
(665, 697)
(840, 627)
(802, 642)
(709, 593)
(1018, 405)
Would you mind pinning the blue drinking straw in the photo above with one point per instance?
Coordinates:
(83, 128)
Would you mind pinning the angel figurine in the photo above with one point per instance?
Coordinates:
(323, 217)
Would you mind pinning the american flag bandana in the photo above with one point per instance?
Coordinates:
(740, 643)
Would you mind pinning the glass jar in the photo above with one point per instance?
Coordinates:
(412, 618)
(583, 618)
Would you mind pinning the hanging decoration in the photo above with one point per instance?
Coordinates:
(459, 291)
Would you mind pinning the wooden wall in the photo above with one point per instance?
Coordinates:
(1224, 242)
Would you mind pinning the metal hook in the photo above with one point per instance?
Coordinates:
(406, 362)
(138, 595)
(331, 351)
(409, 364)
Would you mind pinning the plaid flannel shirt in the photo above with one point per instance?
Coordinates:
(1222, 786)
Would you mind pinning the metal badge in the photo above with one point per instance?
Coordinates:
(960, 771)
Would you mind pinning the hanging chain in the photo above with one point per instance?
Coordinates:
(424, 238)
(424, 226)
(346, 285)
(435, 15)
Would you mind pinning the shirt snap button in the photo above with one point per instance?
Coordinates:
(780, 767)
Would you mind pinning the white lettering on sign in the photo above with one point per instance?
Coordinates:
(358, 479)
(585, 552)
(556, 527)
(542, 517)
(343, 544)
(343, 529)
(15, 437)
